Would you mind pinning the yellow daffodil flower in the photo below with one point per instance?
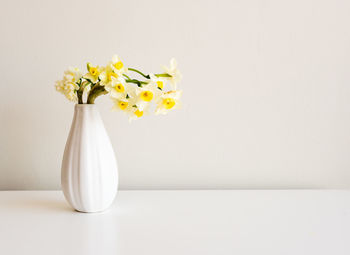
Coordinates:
(117, 65)
(93, 73)
(119, 89)
(168, 101)
(136, 114)
(108, 76)
(148, 92)
(158, 82)
(122, 105)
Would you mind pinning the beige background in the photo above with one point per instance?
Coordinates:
(266, 91)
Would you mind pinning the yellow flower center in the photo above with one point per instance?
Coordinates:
(122, 105)
(119, 88)
(168, 103)
(146, 95)
(138, 113)
(160, 84)
(119, 65)
(110, 75)
(94, 71)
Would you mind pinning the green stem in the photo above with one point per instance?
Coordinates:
(139, 83)
(163, 75)
(96, 91)
(139, 72)
(126, 76)
(147, 76)
(80, 96)
(81, 91)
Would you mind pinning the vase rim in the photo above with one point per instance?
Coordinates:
(84, 105)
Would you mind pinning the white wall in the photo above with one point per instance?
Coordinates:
(266, 91)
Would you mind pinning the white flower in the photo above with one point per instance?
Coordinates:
(68, 86)
(93, 73)
(176, 76)
(108, 76)
(140, 106)
(143, 99)
(68, 89)
(122, 105)
(137, 112)
(132, 106)
(148, 92)
(168, 101)
(117, 65)
(73, 74)
(158, 82)
(119, 89)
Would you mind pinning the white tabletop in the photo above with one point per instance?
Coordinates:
(179, 222)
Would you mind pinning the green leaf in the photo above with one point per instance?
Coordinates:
(127, 96)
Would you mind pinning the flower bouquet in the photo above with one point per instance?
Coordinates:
(131, 95)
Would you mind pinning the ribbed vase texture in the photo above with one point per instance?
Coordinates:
(89, 174)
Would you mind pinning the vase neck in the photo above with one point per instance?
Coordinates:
(86, 111)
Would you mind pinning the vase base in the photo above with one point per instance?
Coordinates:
(97, 211)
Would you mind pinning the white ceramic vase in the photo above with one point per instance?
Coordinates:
(89, 174)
